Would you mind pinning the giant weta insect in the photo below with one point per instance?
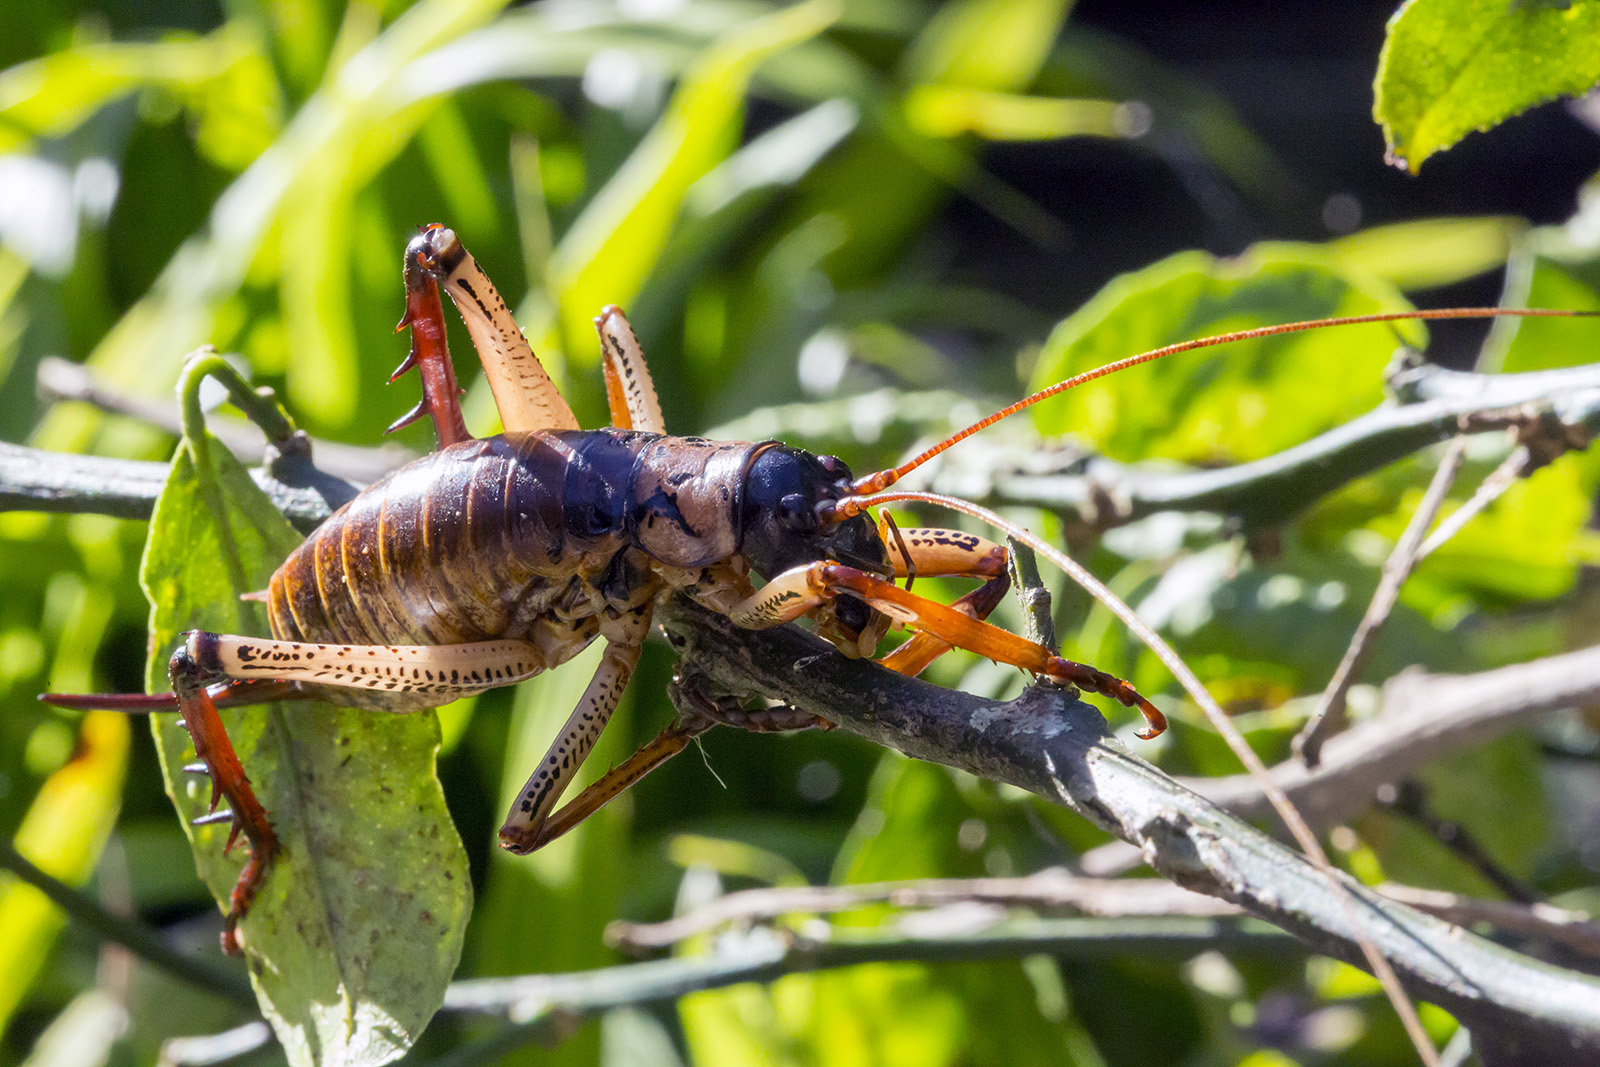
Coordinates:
(490, 561)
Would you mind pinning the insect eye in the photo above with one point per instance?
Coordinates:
(795, 512)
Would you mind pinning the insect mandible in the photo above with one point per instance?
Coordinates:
(492, 560)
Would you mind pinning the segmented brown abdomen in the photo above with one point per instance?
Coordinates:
(524, 535)
(461, 545)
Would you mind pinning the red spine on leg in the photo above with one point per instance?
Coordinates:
(430, 353)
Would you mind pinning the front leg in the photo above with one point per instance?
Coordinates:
(430, 351)
(798, 591)
(935, 552)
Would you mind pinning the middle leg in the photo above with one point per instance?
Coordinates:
(533, 821)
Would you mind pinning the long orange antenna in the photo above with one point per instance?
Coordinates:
(881, 480)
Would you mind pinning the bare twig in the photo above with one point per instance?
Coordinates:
(546, 1007)
(1435, 405)
(543, 1007)
(1574, 929)
(1329, 716)
(1050, 890)
(1038, 625)
(1489, 490)
(1540, 441)
(35, 480)
(1298, 829)
(210, 1049)
(1409, 800)
(1055, 891)
(1422, 718)
(62, 379)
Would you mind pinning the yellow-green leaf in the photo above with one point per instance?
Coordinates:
(1450, 67)
(609, 251)
(359, 925)
(62, 834)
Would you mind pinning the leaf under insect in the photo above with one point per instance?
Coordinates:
(359, 926)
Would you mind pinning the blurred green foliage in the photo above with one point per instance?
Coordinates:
(768, 189)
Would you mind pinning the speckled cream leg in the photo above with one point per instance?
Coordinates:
(526, 826)
(446, 670)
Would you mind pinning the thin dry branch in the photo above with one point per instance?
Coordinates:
(1055, 891)
(1423, 718)
(1052, 890)
(1329, 716)
(61, 379)
(1573, 929)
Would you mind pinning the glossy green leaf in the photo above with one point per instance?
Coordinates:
(1450, 67)
(1234, 402)
(359, 925)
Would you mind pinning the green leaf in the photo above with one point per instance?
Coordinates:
(1528, 545)
(359, 925)
(222, 77)
(1235, 402)
(1494, 792)
(1449, 67)
(363, 120)
(986, 44)
(946, 111)
(548, 911)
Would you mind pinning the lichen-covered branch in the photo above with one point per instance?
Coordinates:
(1058, 747)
